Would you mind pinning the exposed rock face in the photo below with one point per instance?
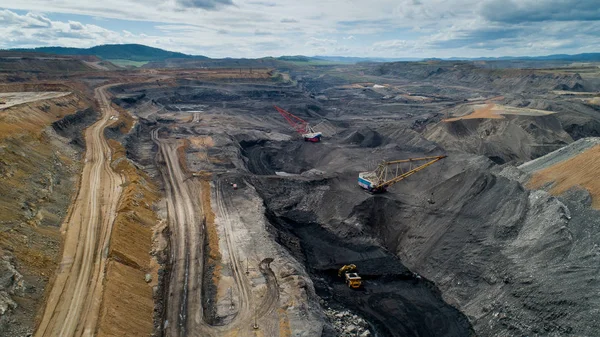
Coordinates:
(71, 126)
(38, 175)
(509, 80)
(6, 304)
(11, 281)
(346, 323)
(11, 284)
(508, 140)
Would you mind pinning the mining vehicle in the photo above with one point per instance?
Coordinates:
(390, 172)
(301, 126)
(350, 274)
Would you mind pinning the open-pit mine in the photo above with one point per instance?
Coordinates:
(280, 199)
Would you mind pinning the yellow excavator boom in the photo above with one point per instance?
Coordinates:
(346, 269)
(378, 181)
(411, 172)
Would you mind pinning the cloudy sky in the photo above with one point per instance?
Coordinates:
(256, 28)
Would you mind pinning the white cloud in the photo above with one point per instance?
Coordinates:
(254, 28)
(30, 20)
(204, 4)
(32, 30)
(75, 25)
(316, 42)
(391, 44)
(397, 48)
(262, 32)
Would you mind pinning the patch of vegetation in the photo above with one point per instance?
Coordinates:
(127, 63)
(131, 52)
(314, 62)
(297, 58)
(305, 60)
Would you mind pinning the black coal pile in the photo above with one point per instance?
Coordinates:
(71, 126)
(513, 139)
(514, 261)
(395, 301)
(364, 138)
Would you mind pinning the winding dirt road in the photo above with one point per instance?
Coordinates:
(73, 304)
(184, 308)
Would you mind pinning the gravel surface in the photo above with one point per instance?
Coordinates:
(16, 98)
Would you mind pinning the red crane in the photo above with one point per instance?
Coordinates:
(300, 125)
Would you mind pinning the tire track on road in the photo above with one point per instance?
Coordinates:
(185, 283)
(184, 315)
(73, 304)
(240, 278)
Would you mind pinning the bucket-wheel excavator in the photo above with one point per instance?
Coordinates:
(301, 126)
(389, 173)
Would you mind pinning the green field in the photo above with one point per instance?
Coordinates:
(313, 62)
(127, 63)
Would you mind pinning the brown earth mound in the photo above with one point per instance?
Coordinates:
(580, 170)
(127, 300)
(485, 112)
(496, 111)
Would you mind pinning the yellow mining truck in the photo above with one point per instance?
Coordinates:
(350, 274)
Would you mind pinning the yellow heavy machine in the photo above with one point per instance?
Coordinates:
(350, 274)
(390, 172)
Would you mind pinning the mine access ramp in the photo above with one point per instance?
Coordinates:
(390, 172)
(300, 125)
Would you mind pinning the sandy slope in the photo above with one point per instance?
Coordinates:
(16, 98)
(74, 301)
(575, 165)
(185, 312)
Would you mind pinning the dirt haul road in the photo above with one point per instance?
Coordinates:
(184, 309)
(184, 306)
(73, 303)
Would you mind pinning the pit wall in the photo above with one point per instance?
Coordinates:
(38, 178)
(132, 273)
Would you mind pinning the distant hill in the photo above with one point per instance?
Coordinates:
(191, 63)
(139, 55)
(295, 58)
(351, 60)
(130, 52)
(587, 57)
